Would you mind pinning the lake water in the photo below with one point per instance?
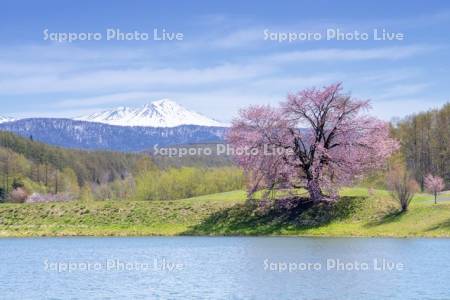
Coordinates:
(224, 268)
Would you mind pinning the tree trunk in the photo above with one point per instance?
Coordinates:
(315, 192)
(404, 207)
(7, 176)
(435, 198)
(46, 174)
(56, 181)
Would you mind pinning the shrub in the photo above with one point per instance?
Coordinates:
(18, 195)
(402, 186)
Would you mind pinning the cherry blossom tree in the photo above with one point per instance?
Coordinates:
(317, 139)
(434, 184)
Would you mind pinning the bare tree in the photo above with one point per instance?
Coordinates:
(402, 186)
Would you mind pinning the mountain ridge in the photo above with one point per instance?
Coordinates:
(85, 135)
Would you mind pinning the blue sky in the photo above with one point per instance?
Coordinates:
(224, 61)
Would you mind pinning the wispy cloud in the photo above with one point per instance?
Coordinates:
(401, 90)
(239, 39)
(128, 79)
(41, 76)
(105, 99)
(358, 54)
(95, 78)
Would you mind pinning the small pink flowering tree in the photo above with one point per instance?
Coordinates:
(336, 145)
(434, 185)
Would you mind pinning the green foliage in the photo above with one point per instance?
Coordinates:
(40, 168)
(34, 187)
(69, 182)
(86, 194)
(17, 183)
(103, 175)
(117, 190)
(40, 160)
(186, 182)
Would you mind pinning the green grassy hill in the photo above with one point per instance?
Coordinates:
(358, 214)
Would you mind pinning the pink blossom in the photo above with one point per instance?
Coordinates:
(434, 184)
(337, 144)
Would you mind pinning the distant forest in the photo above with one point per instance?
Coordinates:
(40, 160)
(30, 168)
(425, 143)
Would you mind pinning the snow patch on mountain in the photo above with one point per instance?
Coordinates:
(160, 113)
(6, 119)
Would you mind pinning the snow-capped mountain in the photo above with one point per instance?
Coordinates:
(6, 119)
(161, 113)
(163, 123)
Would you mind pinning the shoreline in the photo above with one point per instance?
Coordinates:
(106, 235)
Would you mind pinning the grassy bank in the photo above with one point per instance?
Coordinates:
(358, 214)
(111, 218)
